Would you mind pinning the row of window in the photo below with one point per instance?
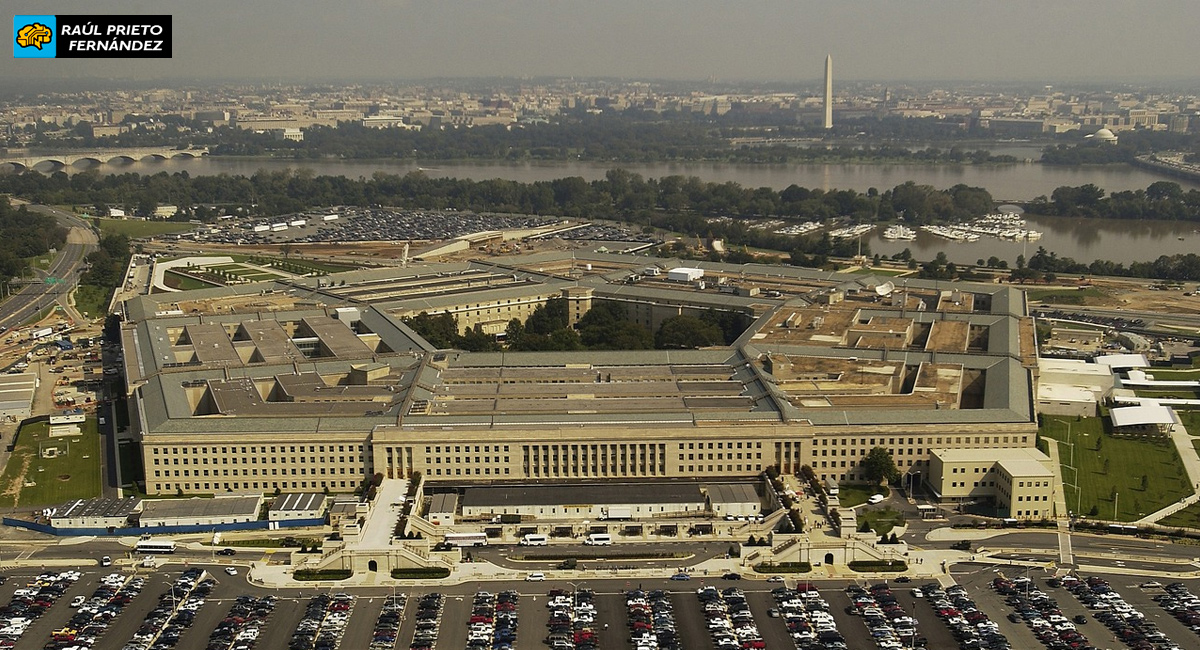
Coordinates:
(264, 460)
(255, 485)
(437, 449)
(168, 451)
(893, 441)
(302, 471)
(722, 468)
(722, 445)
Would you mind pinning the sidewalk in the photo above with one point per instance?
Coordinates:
(1065, 555)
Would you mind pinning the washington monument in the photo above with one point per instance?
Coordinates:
(829, 91)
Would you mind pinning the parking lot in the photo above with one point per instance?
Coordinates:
(610, 610)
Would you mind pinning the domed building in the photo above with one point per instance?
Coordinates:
(1104, 135)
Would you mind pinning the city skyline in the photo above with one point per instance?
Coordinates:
(919, 40)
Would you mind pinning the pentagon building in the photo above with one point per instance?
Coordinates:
(317, 383)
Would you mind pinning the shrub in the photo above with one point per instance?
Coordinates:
(420, 573)
(328, 574)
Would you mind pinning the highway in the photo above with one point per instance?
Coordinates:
(32, 298)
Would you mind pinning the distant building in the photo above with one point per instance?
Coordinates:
(165, 211)
(388, 122)
(116, 213)
(1103, 135)
(289, 133)
(829, 91)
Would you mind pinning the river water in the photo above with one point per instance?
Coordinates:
(1117, 240)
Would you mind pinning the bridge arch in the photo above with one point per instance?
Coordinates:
(12, 166)
(124, 159)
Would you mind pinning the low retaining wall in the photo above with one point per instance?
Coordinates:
(162, 530)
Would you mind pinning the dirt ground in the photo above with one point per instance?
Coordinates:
(1137, 295)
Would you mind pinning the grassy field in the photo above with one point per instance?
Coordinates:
(73, 474)
(245, 272)
(92, 300)
(853, 495)
(1112, 476)
(882, 521)
(41, 315)
(1176, 375)
(135, 228)
(184, 282)
(1190, 420)
(1064, 295)
(878, 271)
(1168, 394)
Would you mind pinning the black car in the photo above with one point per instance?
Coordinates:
(732, 576)
(226, 551)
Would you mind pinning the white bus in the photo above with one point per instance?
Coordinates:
(598, 539)
(152, 546)
(466, 539)
(534, 540)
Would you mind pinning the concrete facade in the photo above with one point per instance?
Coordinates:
(1020, 481)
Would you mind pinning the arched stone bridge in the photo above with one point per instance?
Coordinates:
(22, 160)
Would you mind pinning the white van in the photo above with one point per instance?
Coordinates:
(598, 539)
(534, 540)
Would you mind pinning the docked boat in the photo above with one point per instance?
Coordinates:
(899, 231)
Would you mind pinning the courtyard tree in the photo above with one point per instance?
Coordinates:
(878, 466)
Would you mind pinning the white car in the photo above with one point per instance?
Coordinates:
(875, 498)
(535, 577)
(230, 571)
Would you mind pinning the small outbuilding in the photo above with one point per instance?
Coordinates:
(105, 512)
(199, 511)
(297, 505)
(1144, 419)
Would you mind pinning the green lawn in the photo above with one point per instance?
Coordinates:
(879, 271)
(882, 521)
(74, 474)
(135, 228)
(41, 315)
(850, 495)
(1190, 420)
(1063, 295)
(1189, 517)
(1176, 375)
(92, 300)
(1179, 393)
(1116, 469)
(185, 282)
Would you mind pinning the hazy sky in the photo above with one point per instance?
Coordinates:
(1050, 41)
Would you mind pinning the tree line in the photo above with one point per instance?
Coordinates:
(625, 136)
(24, 235)
(1160, 200)
(1129, 145)
(606, 326)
